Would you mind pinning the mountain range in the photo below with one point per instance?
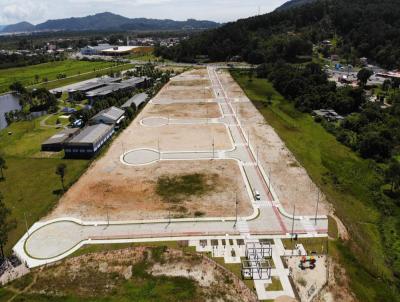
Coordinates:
(109, 22)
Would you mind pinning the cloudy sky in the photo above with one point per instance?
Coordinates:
(36, 11)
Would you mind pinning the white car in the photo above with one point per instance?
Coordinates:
(257, 195)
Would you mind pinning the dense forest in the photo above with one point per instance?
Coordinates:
(360, 28)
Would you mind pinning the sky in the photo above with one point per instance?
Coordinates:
(37, 11)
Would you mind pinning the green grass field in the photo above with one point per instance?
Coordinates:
(30, 187)
(347, 180)
(26, 75)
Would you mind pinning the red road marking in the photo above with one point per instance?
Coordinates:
(263, 180)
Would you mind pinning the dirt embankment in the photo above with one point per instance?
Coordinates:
(158, 273)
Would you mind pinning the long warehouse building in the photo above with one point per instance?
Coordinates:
(89, 141)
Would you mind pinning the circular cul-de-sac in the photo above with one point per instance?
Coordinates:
(141, 157)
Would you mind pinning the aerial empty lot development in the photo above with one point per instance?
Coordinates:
(191, 165)
(125, 192)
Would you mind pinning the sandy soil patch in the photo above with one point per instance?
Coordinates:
(289, 179)
(184, 110)
(129, 193)
(175, 138)
(190, 82)
(338, 288)
(232, 88)
(178, 93)
(308, 282)
(199, 71)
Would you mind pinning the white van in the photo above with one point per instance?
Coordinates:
(257, 195)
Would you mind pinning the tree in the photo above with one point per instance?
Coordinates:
(6, 225)
(372, 145)
(61, 170)
(393, 174)
(386, 85)
(363, 76)
(3, 166)
(18, 87)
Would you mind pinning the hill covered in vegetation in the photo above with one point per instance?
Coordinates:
(360, 28)
(293, 3)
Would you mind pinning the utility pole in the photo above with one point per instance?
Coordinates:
(257, 156)
(158, 147)
(213, 147)
(316, 210)
(269, 180)
(294, 210)
(108, 216)
(236, 210)
(26, 224)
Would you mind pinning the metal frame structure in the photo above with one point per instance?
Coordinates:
(256, 267)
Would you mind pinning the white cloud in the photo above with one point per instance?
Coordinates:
(35, 11)
(21, 10)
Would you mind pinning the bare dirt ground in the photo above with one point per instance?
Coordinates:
(232, 88)
(186, 94)
(129, 193)
(308, 282)
(338, 287)
(175, 138)
(125, 273)
(190, 83)
(185, 110)
(289, 179)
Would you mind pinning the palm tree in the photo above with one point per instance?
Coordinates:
(3, 166)
(61, 170)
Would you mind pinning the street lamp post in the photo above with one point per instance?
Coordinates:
(26, 224)
(316, 210)
(158, 147)
(257, 156)
(236, 210)
(213, 147)
(294, 210)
